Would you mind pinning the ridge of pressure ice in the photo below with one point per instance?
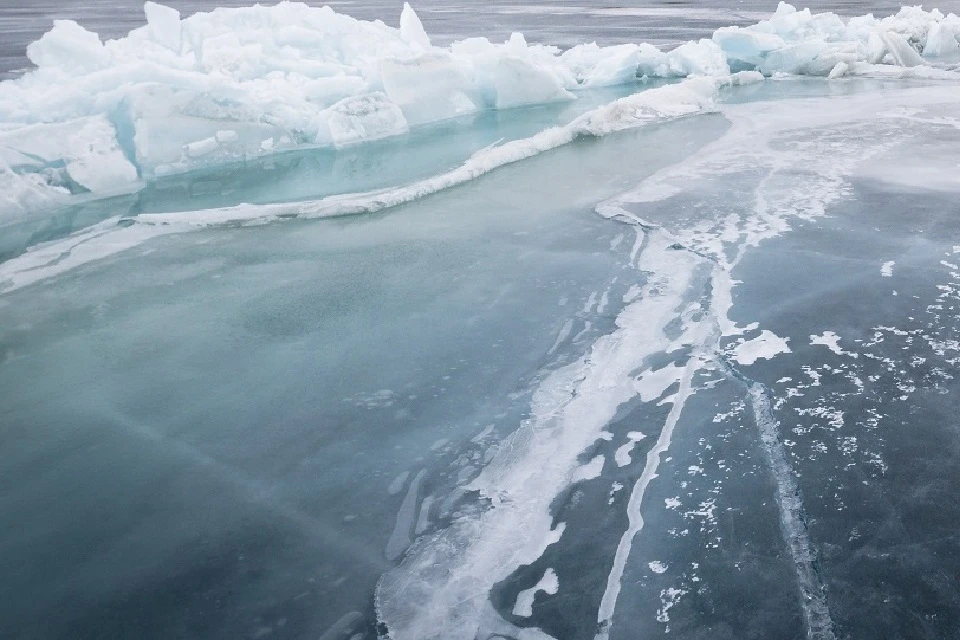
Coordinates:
(234, 84)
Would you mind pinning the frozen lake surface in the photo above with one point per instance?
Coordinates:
(676, 358)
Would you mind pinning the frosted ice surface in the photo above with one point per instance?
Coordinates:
(411, 29)
(652, 384)
(428, 87)
(517, 82)
(590, 470)
(357, 118)
(68, 48)
(803, 42)
(942, 40)
(87, 147)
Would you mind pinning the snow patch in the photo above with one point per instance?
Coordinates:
(657, 567)
(622, 456)
(548, 584)
(652, 384)
(831, 340)
(767, 345)
(589, 471)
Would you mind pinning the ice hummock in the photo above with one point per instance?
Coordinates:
(800, 42)
(233, 84)
(690, 97)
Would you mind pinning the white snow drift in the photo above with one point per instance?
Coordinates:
(232, 84)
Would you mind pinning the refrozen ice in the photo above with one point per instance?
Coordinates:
(155, 101)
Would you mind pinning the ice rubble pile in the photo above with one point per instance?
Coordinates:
(800, 42)
(232, 84)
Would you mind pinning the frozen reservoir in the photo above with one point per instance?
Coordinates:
(360, 322)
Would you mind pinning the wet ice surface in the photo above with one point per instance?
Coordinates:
(724, 407)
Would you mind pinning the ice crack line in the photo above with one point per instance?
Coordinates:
(793, 524)
(634, 513)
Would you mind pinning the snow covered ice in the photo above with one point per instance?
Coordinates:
(319, 327)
